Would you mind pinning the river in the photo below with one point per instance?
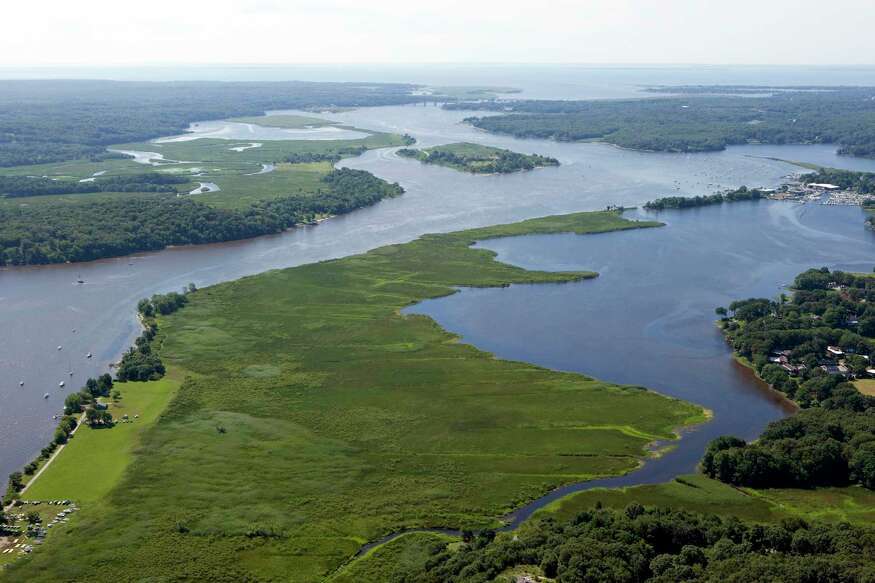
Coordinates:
(40, 307)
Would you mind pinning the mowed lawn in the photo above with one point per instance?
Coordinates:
(94, 460)
(315, 417)
(866, 386)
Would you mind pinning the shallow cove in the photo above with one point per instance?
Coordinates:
(648, 319)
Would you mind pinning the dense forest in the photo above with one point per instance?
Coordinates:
(49, 121)
(695, 123)
(680, 202)
(18, 186)
(478, 159)
(808, 347)
(829, 445)
(657, 546)
(87, 230)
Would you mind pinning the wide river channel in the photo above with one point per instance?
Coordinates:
(646, 321)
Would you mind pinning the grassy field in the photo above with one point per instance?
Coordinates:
(239, 191)
(285, 121)
(692, 492)
(477, 158)
(315, 417)
(381, 563)
(95, 459)
(866, 386)
(701, 494)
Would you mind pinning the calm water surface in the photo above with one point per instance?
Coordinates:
(648, 319)
(40, 307)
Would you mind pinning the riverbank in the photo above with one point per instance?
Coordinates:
(281, 381)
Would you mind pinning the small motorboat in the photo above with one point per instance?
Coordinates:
(61, 384)
(88, 355)
(46, 396)
(60, 347)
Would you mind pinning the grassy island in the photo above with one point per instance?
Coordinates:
(478, 159)
(312, 417)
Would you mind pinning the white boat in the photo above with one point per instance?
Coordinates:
(59, 347)
(61, 384)
(46, 396)
(88, 355)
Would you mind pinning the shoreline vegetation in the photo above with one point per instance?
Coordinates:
(681, 202)
(808, 346)
(703, 119)
(478, 159)
(91, 404)
(398, 454)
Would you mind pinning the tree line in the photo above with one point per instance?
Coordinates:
(694, 123)
(140, 363)
(654, 545)
(19, 186)
(88, 230)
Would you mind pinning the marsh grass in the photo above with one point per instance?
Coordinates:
(346, 420)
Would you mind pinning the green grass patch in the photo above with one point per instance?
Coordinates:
(691, 492)
(401, 555)
(95, 459)
(698, 493)
(240, 191)
(853, 504)
(865, 386)
(315, 417)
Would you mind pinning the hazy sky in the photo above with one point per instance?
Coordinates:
(390, 31)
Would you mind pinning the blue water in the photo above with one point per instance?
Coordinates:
(648, 319)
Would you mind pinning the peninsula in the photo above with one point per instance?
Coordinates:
(313, 417)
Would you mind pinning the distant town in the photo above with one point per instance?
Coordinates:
(819, 192)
